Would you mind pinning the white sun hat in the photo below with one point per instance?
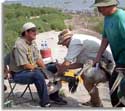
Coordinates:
(28, 26)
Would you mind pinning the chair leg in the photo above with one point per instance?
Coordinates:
(27, 87)
(31, 93)
(24, 91)
(12, 89)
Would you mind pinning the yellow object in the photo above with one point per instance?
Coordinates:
(30, 56)
(71, 74)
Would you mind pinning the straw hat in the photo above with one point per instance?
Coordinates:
(65, 34)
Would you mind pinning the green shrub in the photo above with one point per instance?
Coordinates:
(9, 38)
(15, 15)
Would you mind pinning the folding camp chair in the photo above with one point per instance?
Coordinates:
(11, 82)
(12, 87)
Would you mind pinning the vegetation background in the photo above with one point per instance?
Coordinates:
(15, 15)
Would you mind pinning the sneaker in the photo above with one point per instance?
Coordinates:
(46, 105)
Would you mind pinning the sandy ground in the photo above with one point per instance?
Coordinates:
(73, 100)
(58, 52)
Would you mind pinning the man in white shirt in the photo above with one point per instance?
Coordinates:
(81, 48)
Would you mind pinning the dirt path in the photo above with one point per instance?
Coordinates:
(80, 25)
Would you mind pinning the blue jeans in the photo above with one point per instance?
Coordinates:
(36, 77)
(51, 67)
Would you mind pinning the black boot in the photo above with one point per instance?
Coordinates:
(57, 99)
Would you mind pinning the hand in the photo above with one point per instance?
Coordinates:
(95, 62)
(61, 69)
(9, 76)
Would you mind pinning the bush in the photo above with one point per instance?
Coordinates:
(57, 25)
(15, 15)
(10, 37)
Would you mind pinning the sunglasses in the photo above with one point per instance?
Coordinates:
(32, 30)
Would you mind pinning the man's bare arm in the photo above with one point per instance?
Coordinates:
(103, 46)
(40, 63)
(67, 65)
(29, 66)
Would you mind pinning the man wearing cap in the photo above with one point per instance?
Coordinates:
(114, 35)
(25, 59)
(81, 48)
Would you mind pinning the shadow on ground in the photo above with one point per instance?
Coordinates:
(27, 103)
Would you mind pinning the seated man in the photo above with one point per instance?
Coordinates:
(80, 49)
(24, 60)
(24, 63)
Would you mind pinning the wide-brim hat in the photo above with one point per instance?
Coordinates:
(104, 3)
(65, 34)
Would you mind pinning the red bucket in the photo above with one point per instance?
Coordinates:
(45, 53)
